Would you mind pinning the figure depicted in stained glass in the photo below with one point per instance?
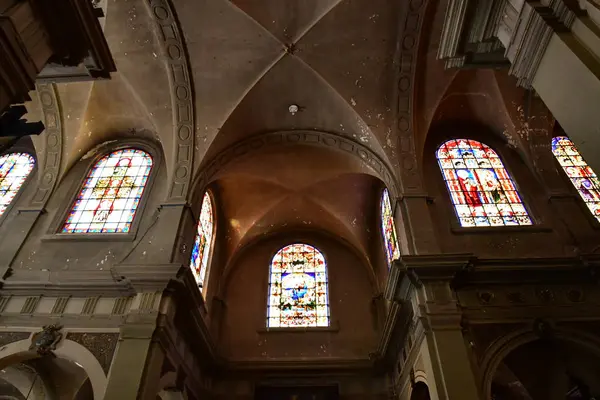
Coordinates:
(14, 170)
(581, 175)
(111, 194)
(482, 191)
(201, 250)
(392, 251)
(298, 288)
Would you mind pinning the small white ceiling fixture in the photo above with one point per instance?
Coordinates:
(293, 109)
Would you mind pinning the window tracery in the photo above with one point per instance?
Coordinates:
(298, 288)
(388, 227)
(583, 178)
(111, 193)
(482, 191)
(202, 245)
(14, 170)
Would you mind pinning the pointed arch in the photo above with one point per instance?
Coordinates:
(482, 191)
(298, 288)
(388, 228)
(204, 239)
(583, 178)
(14, 170)
(111, 193)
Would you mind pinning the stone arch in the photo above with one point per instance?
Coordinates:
(503, 346)
(420, 391)
(328, 140)
(49, 171)
(19, 351)
(171, 41)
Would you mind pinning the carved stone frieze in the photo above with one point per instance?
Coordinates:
(175, 54)
(50, 169)
(309, 138)
(101, 345)
(409, 45)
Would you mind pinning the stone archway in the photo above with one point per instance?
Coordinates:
(547, 369)
(420, 391)
(73, 372)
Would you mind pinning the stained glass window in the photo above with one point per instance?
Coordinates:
(14, 169)
(581, 175)
(482, 191)
(111, 194)
(392, 251)
(298, 288)
(199, 262)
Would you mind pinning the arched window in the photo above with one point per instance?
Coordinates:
(200, 253)
(482, 191)
(392, 251)
(110, 194)
(581, 175)
(14, 170)
(298, 288)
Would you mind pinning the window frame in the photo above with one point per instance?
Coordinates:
(86, 165)
(26, 182)
(572, 189)
(455, 226)
(383, 237)
(209, 192)
(332, 325)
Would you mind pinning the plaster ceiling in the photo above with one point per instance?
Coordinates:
(249, 60)
(277, 190)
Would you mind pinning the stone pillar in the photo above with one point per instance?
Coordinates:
(129, 363)
(415, 226)
(450, 363)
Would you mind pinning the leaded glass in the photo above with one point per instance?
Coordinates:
(581, 175)
(201, 250)
(298, 288)
(14, 170)
(482, 191)
(392, 251)
(111, 194)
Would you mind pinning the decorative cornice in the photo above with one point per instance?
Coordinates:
(297, 137)
(171, 41)
(50, 169)
(146, 277)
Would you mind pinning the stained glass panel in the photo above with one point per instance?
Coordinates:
(111, 194)
(14, 170)
(201, 250)
(298, 288)
(392, 251)
(581, 175)
(481, 189)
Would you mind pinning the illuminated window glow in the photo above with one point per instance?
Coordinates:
(201, 250)
(14, 170)
(482, 191)
(111, 194)
(392, 251)
(298, 288)
(581, 175)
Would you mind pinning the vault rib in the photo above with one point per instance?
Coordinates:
(318, 19)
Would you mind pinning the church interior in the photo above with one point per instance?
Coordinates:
(299, 200)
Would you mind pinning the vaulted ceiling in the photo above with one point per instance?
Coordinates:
(339, 61)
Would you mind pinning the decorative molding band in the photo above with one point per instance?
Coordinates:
(299, 137)
(170, 37)
(50, 170)
(409, 45)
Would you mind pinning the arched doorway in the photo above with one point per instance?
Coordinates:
(548, 369)
(420, 391)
